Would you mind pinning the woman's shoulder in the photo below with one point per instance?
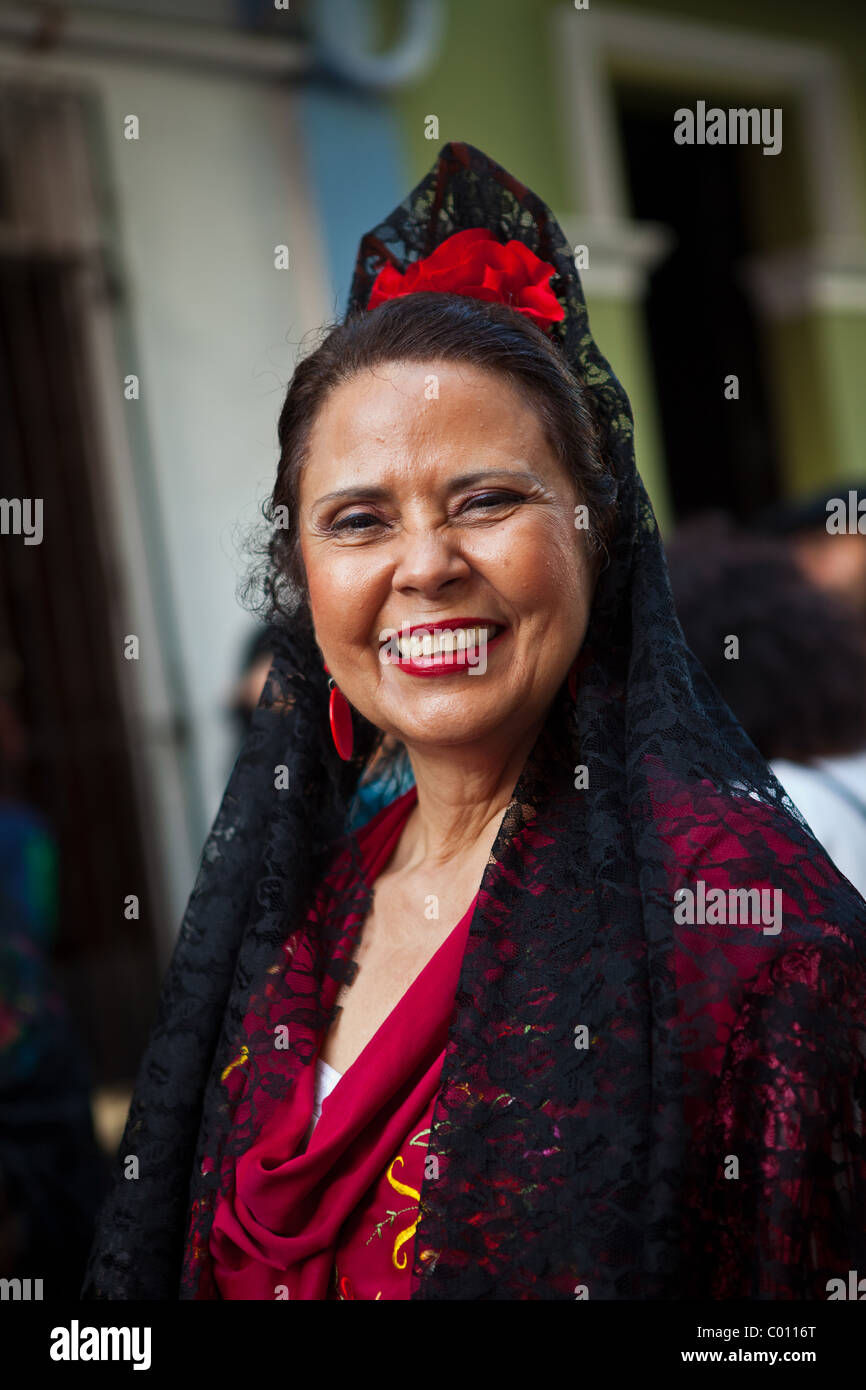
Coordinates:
(744, 869)
(698, 816)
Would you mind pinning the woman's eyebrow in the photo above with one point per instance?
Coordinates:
(382, 494)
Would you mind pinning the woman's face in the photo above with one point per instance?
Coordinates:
(426, 509)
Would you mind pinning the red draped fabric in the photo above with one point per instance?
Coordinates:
(337, 1219)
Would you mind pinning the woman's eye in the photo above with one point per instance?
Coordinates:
(350, 523)
(357, 522)
(487, 500)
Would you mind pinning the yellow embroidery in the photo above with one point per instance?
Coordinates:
(410, 1230)
(238, 1062)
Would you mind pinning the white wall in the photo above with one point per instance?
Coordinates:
(206, 193)
(215, 181)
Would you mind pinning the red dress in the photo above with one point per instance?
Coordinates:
(337, 1219)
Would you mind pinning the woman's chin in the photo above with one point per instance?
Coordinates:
(456, 731)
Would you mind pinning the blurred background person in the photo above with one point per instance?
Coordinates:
(798, 682)
(389, 773)
(52, 1174)
(255, 663)
(833, 555)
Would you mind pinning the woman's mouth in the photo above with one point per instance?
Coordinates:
(441, 649)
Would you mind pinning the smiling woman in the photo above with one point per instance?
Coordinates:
(473, 1050)
(443, 435)
(504, 572)
(428, 549)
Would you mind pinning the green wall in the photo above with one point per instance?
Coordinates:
(494, 86)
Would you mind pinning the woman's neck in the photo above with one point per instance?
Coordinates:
(462, 796)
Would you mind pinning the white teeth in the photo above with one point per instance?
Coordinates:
(443, 640)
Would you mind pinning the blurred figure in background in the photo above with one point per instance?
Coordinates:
(389, 773)
(253, 672)
(798, 685)
(834, 558)
(52, 1173)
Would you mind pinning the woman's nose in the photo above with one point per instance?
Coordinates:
(428, 560)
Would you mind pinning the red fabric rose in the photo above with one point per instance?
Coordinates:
(475, 264)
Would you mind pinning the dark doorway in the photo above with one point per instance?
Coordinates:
(55, 597)
(702, 327)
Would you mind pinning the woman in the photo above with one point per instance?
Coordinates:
(564, 1071)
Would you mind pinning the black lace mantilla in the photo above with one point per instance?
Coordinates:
(602, 1171)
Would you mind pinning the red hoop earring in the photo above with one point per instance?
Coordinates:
(340, 715)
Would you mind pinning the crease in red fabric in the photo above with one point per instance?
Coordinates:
(302, 1223)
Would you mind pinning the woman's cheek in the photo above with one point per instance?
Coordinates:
(533, 557)
(332, 579)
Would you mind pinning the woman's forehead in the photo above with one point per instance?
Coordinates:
(441, 417)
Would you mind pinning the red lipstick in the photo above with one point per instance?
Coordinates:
(468, 660)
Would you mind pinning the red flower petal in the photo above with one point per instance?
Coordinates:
(473, 263)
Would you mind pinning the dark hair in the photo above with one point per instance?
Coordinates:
(418, 328)
(799, 685)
